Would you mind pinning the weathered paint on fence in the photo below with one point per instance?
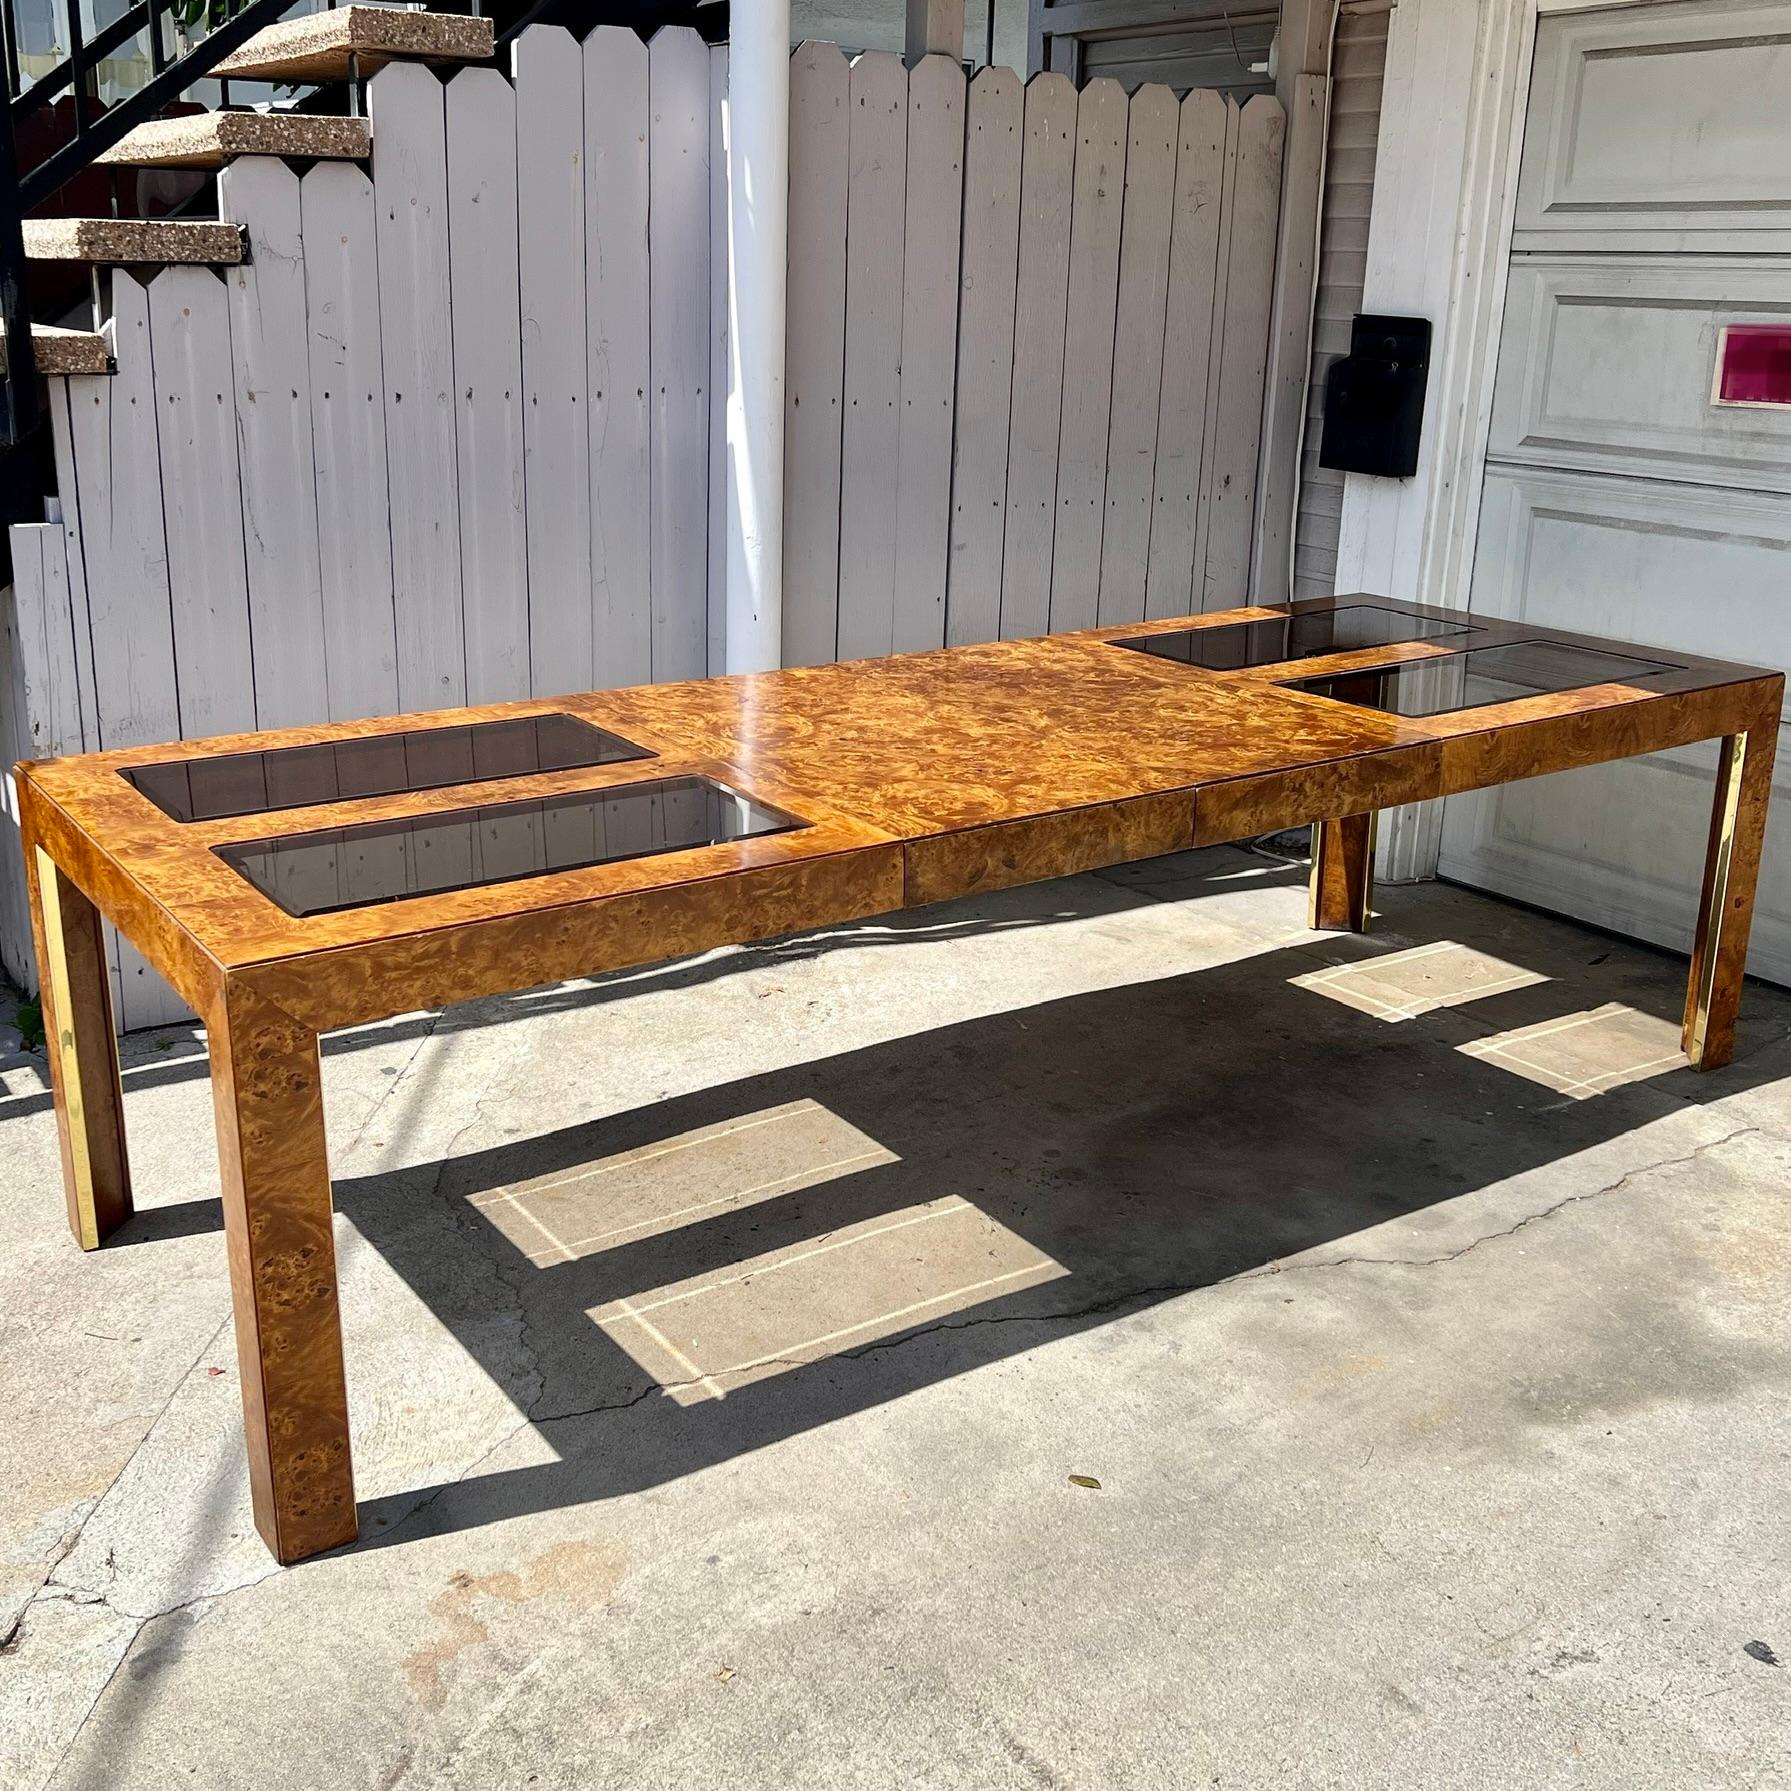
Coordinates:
(1077, 439)
(454, 432)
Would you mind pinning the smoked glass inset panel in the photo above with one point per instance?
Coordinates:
(253, 783)
(470, 848)
(1273, 642)
(1482, 675)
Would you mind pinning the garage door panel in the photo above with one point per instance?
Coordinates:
(1669, 124)
(1670, 566)
(1673, 567)
(1621, 846)
(1608, 363)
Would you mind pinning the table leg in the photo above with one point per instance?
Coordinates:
(82, 1044)
(1342, 874)
(1731, 869)
(269, 1098)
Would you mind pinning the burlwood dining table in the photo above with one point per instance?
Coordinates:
(293, 882)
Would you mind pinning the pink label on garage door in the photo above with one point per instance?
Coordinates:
(1753, 364)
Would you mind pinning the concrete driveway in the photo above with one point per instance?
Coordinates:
(1099, 1336)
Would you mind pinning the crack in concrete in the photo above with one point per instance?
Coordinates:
(463, 1220)
(80, 1728)
(533, 1418)
(392, 1087)
(1510, 1231)
(64, 1546)
(1132, 1297)
(50, 1587)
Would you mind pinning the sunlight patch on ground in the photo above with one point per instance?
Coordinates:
(810, 1298)
(1586, 1054)
(704, 1338)
(679, 1181)
(1405, 984)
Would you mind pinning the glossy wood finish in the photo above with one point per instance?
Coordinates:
(1731, 871)
(919, 778)
(76, 996)
(268, 1094)
(1342, 884)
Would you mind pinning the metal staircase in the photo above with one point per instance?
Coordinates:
(247, 42)
(62, 147)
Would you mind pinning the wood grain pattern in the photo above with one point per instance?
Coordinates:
(79, 1036)
(268, 1094)
(1342, 874)
(1726, 903)
(918, 778)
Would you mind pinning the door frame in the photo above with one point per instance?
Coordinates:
(1446, 257)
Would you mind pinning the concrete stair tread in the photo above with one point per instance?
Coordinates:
(211, 139)
(320, 46)
(64, 351)
(126, 241)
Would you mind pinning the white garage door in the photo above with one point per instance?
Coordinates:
(1654, 209)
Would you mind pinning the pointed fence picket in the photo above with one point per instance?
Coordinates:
(455, 431)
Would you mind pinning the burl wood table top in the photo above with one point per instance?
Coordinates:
(857, 789)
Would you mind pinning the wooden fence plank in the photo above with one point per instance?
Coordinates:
(1209, 450)
(1046, 186)
(114, 433)
(1101, 114)
(932, 225)
(348, 432)
(678, 289)
(214, 667)
(63, 395)
(22, 632)
(488, 425)
(410, 181)
(49, 722)
(1138, 352)
(550, 129)
(1243, 360)
(276, 460)
(1187, 347)
(617, 363)
(814, 351)
(40, 706)
(871, 432)
(716, 658)
(1288, 378)
(995, 120)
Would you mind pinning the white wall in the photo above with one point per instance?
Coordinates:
(880, 24)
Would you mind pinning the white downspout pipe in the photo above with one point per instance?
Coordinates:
(756, 126)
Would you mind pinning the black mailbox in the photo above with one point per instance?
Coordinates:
(1374, 398)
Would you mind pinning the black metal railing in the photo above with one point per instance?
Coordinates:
(69, 92)
(57, 125)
